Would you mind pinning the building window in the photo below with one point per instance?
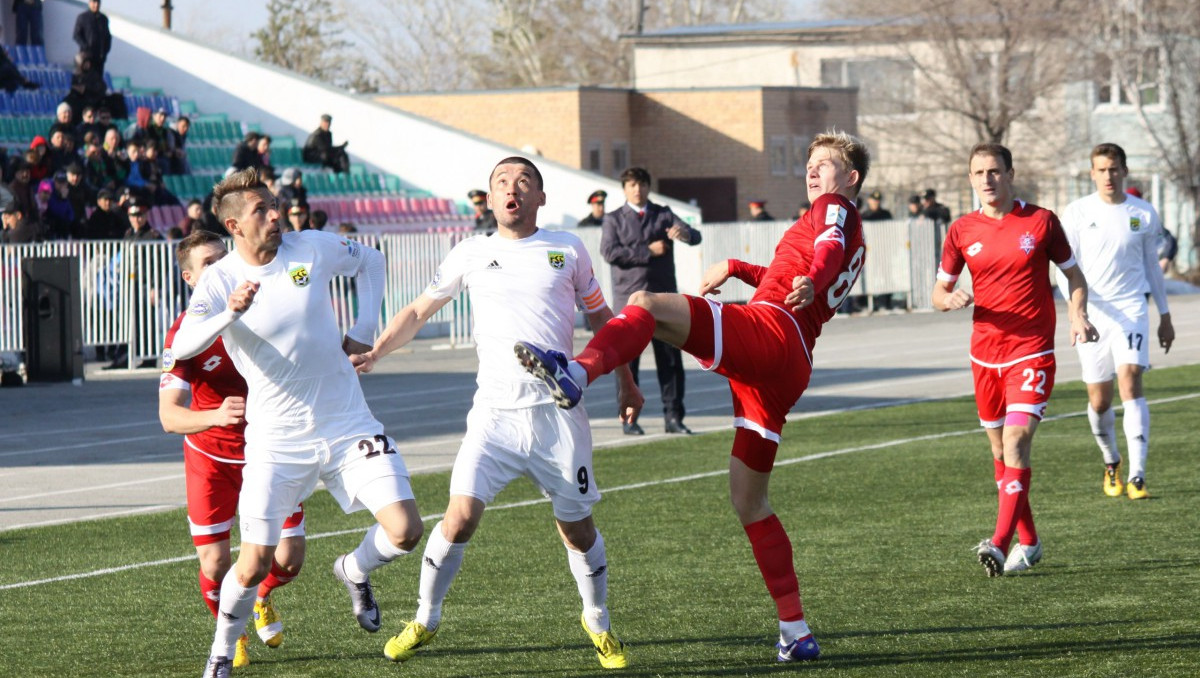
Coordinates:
(885, 86)
(620, 157)
(594, 156)
(777, 154)
(1138, 79)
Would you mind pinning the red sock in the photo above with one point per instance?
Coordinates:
(210, 593)
(773, 552)
(1013, 490)
(278, 577)
(999, 466)
(618, 342)
(1026, 532)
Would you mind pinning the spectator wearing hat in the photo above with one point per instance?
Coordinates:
(319, 148)
(934, 210)
(21, 188)
(298, 217)
(596, 202)
(59, 215)
(80, 195)
(106, 222)
(875, 211)
(39, 161)
(914, 207)
(92, 35)
(758, 211)
(292, 190)
(139, 223)
(485, 221)
(17, 229)
(63, 120)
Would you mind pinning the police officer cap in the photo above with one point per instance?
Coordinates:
(597, 196)
(476, 193)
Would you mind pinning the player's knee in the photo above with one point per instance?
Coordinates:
(643, 299)
(459, 527)
(250, 572)
(214, 563)
(579, 535)
(406, 536)
(750, 507)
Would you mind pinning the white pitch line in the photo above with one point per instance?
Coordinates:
(109, 486)
(620, 488)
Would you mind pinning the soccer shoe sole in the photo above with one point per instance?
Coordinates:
(992, 559)
(535, 365)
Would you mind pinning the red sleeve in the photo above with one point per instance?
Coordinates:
(827, 261)
(751, 274)
(1060, 247)
(829, 241)
(952, 259)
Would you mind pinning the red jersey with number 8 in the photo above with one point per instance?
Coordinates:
(832, 217)
(1010, 261)
(213, 378)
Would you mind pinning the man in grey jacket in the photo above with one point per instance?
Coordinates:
(637, 241)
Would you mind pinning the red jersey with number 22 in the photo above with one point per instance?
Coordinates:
(213, 378)
(1009, 259)
(832, 217)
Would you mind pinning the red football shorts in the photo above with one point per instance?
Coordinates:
(760, 349)
(1023, 386)
(212, 498)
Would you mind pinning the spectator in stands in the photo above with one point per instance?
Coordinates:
(319, 148)
(177, 146)
(106, 222)
(596, 202)
(136, 179)
(139, 223)
(92, 34)
(41, 200)
(104, 118)
(319, 219)
(87, 84)
(914, 207)
(114, 143)
(875, 210)
(264, 151)
(99, 171)
(62, 120)
(59, 216)
(211, 223)
(22, 188)
(485, 221)
(80, 195)
(6, 197)
(89, 125)
(292, 190)
(29, 21)
(40, 160)
(18, 229)
(157, 133)
(138, 130)
(10, 75)
(298, 217)
(193, 219)
(346, 228)
(246, 153)
(62, 150)
(758, 211)
(934, 210)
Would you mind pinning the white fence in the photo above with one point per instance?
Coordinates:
(132, 292)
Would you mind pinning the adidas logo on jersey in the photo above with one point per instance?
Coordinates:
(494, 266)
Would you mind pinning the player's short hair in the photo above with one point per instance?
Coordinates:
(525, 162)
(1112, 152)
(193, 240)
(849, 149)
(993, 149)
(638, 175)
(229, 195)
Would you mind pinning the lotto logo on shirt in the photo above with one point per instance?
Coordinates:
(974, 249)
(299, 275)
(557, 259)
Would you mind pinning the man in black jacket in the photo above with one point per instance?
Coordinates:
(319, 148)
(637, 241)
(92, 34)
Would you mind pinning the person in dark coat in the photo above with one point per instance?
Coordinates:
(485, 220)
(638, 241)
(875, 211)
(17, 229)
(106, 221)
(596, 202)
(92, 34)
(319, 148)
(10, 75)
(246, 154)
(758, 211)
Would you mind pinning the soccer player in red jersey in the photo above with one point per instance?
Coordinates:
(763, 348)
(1009, 245)
(214, 452)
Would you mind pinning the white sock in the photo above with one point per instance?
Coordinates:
(1137, 434)
(439, 567)
(591, 577)
(375, 551)
(791, 630)
(577, 373)
(236, 602)
(1104, 428)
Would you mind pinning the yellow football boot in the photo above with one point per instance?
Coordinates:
(1113, 486)
(1136, 487)
(241, 654)
(403, 645)
(267, 623)
(609, 650)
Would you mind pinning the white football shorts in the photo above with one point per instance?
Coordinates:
(1124, 340)
(545, 443)
(361, 471)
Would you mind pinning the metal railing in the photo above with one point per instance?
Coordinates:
(131, 292)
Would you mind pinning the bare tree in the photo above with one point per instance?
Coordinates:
(307, 36)
(469, 44)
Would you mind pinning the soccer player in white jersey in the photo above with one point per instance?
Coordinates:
(523, 282)
(1114, 237)
(306, 417)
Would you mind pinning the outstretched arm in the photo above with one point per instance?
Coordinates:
(399, 331)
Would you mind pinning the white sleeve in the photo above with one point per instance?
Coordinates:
(588, 295)
(1154, 274)
(447, 283)
(207, 315)
(367, 266)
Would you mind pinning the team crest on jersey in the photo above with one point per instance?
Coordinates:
(1028, 242)
(974, 249)
(299, 275)
(168, 360)
(557, 259)
(199, 308)
(1135, 224)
